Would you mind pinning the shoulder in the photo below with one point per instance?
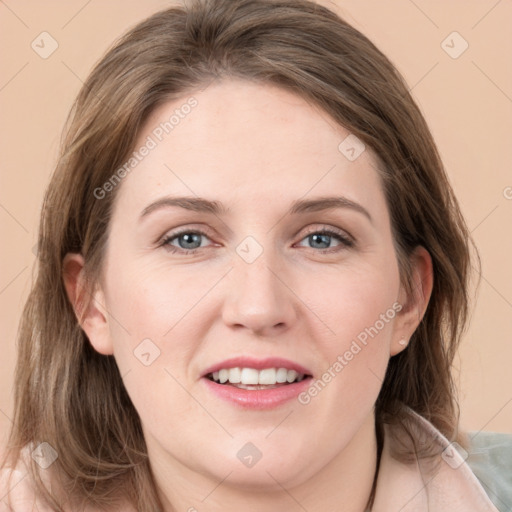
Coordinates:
(18, 492)
(486, 461)
(423, 471)
(490, 459)
(17, 489)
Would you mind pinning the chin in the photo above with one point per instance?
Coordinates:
(273, 470)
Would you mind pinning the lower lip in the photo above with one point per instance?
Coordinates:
(258, 398)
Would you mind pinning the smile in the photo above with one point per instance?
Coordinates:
(251, 378)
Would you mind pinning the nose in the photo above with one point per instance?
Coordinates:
(258, 297)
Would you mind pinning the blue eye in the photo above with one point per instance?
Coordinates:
(188, 239)
(324, 237)
(188, 242)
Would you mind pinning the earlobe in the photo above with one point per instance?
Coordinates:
(414, 303)
(88, 305)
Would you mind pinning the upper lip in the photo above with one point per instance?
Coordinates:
(257, 364)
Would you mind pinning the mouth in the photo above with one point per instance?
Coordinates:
(256, 379)
(256, 389)
(258, 384)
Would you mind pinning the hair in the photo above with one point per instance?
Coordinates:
(72, 397)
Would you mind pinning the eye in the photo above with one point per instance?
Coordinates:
(187, 241)
(321, 239)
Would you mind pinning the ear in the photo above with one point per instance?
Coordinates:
(415, 303)
(89, 306)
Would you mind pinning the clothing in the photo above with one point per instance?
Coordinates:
(490, 459)
(446, 481)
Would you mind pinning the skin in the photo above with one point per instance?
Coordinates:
(256, 148)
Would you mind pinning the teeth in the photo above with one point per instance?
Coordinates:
(281, 375)
(267, 376)
(251, 376)
(291, 376)
(235, 375)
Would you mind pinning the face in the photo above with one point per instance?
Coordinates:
(185, 289)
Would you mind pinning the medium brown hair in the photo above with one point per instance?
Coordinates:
(70, 396)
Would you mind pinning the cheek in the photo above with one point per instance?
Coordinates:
(354, 303)
(358, 309)
(152, 364)
(152, 300)
(157, 321)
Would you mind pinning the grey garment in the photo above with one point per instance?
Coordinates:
(490, 459)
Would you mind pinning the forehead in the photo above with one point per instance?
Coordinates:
(247, 142)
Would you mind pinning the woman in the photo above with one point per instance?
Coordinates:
(187, 345)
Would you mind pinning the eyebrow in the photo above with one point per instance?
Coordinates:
(201, 205)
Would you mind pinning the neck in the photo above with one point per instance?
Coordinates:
(347, 478)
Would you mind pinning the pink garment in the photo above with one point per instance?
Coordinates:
(443, 482)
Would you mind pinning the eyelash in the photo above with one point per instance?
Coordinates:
(346, 242)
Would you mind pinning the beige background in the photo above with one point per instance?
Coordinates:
(467, 102)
